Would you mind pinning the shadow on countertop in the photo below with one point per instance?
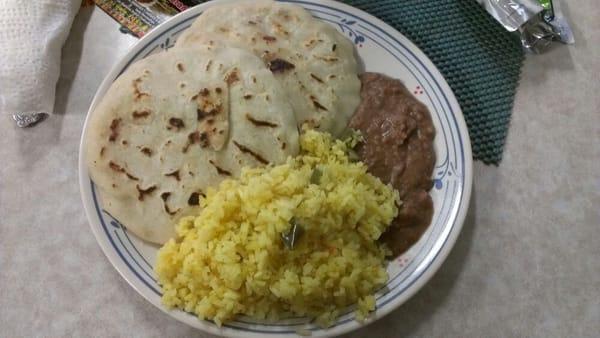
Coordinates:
(71, 57)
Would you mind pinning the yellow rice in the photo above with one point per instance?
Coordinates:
(231, 259)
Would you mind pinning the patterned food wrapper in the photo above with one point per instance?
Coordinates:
(540, 23)
(138, 17)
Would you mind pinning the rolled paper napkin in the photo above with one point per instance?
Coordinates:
(32, 34)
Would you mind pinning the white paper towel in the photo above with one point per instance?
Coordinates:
(32, 33)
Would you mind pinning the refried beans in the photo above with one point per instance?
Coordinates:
(398, 149)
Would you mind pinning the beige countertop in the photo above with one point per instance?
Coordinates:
(527, 262)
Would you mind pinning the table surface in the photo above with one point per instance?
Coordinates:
(527, 262)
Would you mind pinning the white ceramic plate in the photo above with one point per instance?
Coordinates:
(381, 49)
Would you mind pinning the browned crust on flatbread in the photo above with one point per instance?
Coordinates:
(280, 65)
(114, 129)
(137, 93)
(144, 192)
(140, 114)
(176, 123)
(220, 170)
(260, 123)
(146, 151)
(244, 149)
(175, 175)
(165, 196)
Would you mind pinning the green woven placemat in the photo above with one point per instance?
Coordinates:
(480, 60)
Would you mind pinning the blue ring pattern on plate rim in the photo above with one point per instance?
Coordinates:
(420, 69)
